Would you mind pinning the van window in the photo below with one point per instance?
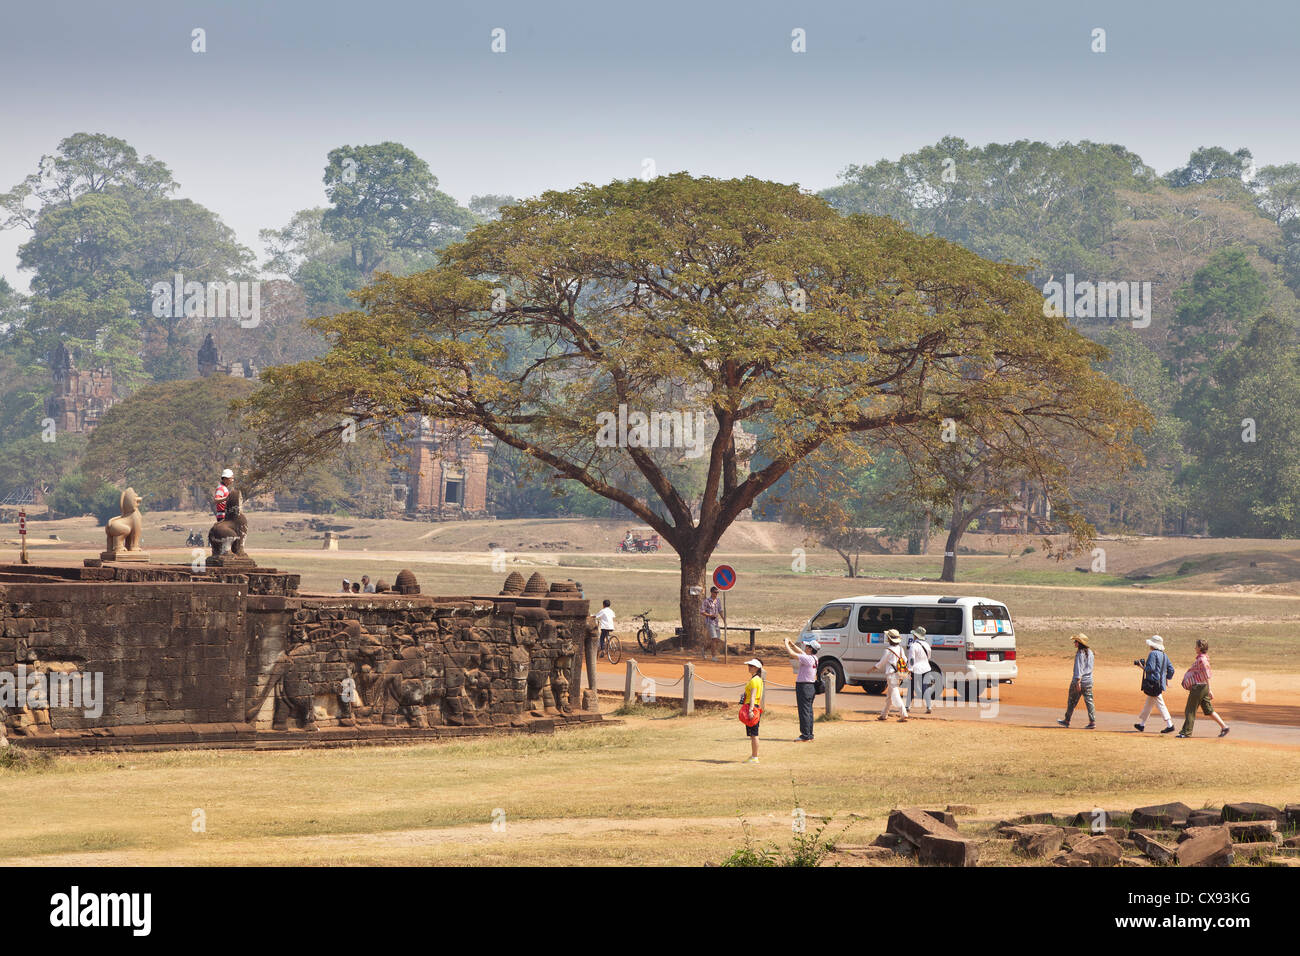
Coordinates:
(872, 619)
(831, 618)
(989, 619)
(938, 620)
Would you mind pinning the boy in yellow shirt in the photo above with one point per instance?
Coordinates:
(753, 695)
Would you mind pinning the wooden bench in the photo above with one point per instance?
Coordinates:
(751, 630)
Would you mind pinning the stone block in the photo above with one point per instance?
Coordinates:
(1156, 850)
(1254, 831)
(948, 849)
(1236, 812)
(1161, 816)
(1210, 848)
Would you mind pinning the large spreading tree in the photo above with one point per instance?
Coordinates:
(751, 301)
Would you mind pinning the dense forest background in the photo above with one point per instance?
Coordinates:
(1216, 359)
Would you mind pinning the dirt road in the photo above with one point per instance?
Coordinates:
(1037, 698)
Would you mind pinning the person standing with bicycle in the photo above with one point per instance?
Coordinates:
(605, 621)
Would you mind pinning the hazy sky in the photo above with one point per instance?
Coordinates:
(587, 90)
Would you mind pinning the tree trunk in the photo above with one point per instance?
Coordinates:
(950, 550)
(848, 564)
(693, 631)
(925, 533)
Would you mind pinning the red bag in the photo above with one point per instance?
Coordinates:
(750, 715)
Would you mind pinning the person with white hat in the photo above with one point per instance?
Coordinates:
(1081, 682)
(752, 696)
(1156, 673)
(805, 683)
(894, 663)
(222, 493)
(918, 657)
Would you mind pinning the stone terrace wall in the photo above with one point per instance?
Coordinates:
(412, 661)
(244, 651)
(167, 653)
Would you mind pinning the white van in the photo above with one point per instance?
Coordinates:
(971, 638)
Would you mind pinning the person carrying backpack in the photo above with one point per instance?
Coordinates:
(1156, 673)
(918, 659)
(894, 663)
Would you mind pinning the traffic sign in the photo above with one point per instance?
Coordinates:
(724, 577)
(22, 522)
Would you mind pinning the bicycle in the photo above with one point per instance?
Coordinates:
(613, 650)
(645, 637)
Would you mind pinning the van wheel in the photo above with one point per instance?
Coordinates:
(873, 687)
(831, 670)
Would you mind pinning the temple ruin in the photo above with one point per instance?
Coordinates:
(242, 658)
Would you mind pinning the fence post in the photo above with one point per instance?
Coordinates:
(829, 682)
(627, 681)
(688, 689)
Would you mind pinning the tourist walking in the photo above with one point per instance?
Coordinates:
(894, 663)
(805, 683)
(1197, 684)
(751, 706)
(1081, 682)
(1157, 669)
(604, 621)
(918, 659)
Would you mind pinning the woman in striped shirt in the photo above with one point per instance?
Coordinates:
(1197, 683)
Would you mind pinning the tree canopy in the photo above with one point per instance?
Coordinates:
(749, 300)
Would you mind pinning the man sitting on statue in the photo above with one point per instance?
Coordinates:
(222, 493)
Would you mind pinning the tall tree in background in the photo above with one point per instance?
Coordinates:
(753, 298)
(1214, 308)
(1211, 162)
(1146, 497)
(104, 230)
(1247, 429)
(384, 202)
(1013, 202)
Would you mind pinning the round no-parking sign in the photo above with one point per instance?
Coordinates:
(724, 577)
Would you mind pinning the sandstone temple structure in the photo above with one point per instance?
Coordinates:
(81, 396)
(218, 658)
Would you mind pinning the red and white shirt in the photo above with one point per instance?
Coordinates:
(219, 501)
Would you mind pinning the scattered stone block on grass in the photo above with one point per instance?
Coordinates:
(1092, 851)
(935, 841)
(1245, 852)
(1036, 839)
(1235, 812)
(1210, 848)
(944, 816)
(1161, 816)
(948, 849)
(1152, 848)
(1204, 818)
(1292, 813)
(1254, 831)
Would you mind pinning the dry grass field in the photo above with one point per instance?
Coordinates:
(656, 789)
(665, 789)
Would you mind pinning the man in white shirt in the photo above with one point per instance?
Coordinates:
(918, 657)
(891, 662)
(604, 621)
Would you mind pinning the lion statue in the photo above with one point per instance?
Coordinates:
(124, 531)
(227, 536)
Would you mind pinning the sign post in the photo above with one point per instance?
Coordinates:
(22, 536)
(724, 579)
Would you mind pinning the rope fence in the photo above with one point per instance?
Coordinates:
(688, 680)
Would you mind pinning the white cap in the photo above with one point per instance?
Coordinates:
(227, 474)
(752, 662)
